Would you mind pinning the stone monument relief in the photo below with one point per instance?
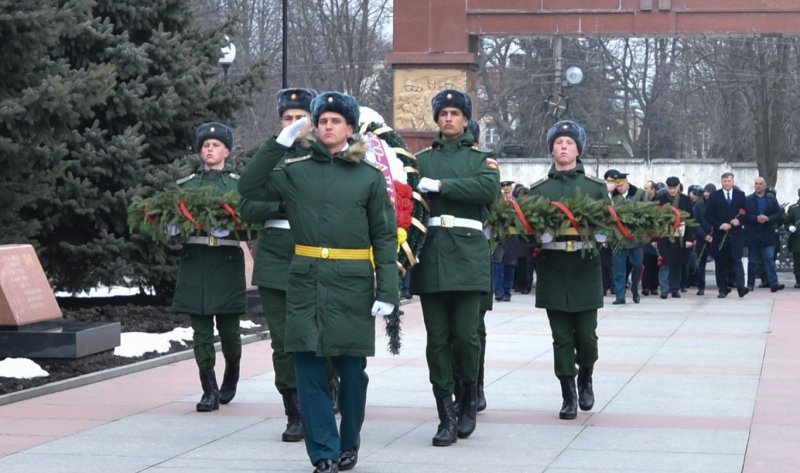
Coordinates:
(414, 90)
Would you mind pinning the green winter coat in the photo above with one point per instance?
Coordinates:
(455, 259)
(568, 281)
(275, 245)
(211, 279)
(336, 202)
(792, 217)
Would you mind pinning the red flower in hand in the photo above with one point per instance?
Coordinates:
(741, 213)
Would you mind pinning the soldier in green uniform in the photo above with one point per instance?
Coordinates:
(452, 277)
(792, 220)
(569, 284)
(338, 208)
(271, 268)
(211, 281)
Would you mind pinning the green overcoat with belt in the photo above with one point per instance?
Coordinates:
(336, 201)
(568, 281)
(211, 279)
(455, 259)
(275, 245)
(791, 217)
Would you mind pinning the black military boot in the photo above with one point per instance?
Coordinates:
(294, 426)
(481, 395)
(585, 391)
(468, 410)
(446, 432)
(210, 400)
(569, 409)
(229, 382)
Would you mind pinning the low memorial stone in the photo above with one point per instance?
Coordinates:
(31, 323)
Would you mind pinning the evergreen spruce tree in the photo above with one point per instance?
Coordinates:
(129, 135)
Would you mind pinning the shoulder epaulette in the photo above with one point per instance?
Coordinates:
(233, 175)
(596, 179)
(297, 160)
(481, 150)
(186, 179)
(540, 181)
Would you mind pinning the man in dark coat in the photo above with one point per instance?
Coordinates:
(724, 211)
(674, 250)
(569, 282)
(702, 238)
(627, 253)
(764, 214)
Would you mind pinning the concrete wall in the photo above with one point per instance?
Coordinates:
(702, 171)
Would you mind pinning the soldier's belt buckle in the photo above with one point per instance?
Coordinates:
(324, 253)
(213, 241)
(570, 246)
(447, 221)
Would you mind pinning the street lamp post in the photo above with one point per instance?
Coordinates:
(228, 55)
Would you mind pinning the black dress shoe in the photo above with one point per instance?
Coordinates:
(348, 459)
(777, 287)
(636, 298)
(326, 466)
(498, 299)
(618, 302)
(722, 295)
(751, 288)
(701, 292)
(664, 295)
(683, 289)
(645, 292)
(506, 298)
(743, 291)
(676, 294)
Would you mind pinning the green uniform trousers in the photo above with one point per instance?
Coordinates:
(230, 339)
(482, 338)
(274, 303)
(323, 439)
(574, 340)
(451, 322)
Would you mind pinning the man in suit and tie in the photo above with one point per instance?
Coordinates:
(725, 211)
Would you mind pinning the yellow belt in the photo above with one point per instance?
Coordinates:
(331, 253)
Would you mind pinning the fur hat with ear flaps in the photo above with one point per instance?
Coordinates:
(566, 128)
(295, 98)
(343, 104)
(214, 130)
(451, 98)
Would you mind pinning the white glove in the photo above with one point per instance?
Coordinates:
(792, 229)
(172, 230)
(600, 237)
(546, 237)
(291, 132)
(427, 184)
(382, 309)
(220, 232)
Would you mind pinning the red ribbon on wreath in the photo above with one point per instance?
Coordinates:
(188, 215)
(560, 206)
(527, 226)
(625, 232)
(677, 222)
(230, 210)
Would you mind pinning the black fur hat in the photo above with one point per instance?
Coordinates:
(216, 131)
(566, 128)
(673, 181)
(451, 98)
(295, 98)
(343, 104)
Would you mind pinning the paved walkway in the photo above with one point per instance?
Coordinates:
(696, 384)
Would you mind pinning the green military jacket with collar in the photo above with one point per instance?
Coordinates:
(331, 201)
(568, 281)
(792, 217)
(456, 259)
(275, 245)
(211, 279)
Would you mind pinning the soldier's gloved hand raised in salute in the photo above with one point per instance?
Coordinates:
(427, 184)
(289, 134)
(382, 309)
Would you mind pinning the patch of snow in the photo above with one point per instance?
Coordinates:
(21, 368)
